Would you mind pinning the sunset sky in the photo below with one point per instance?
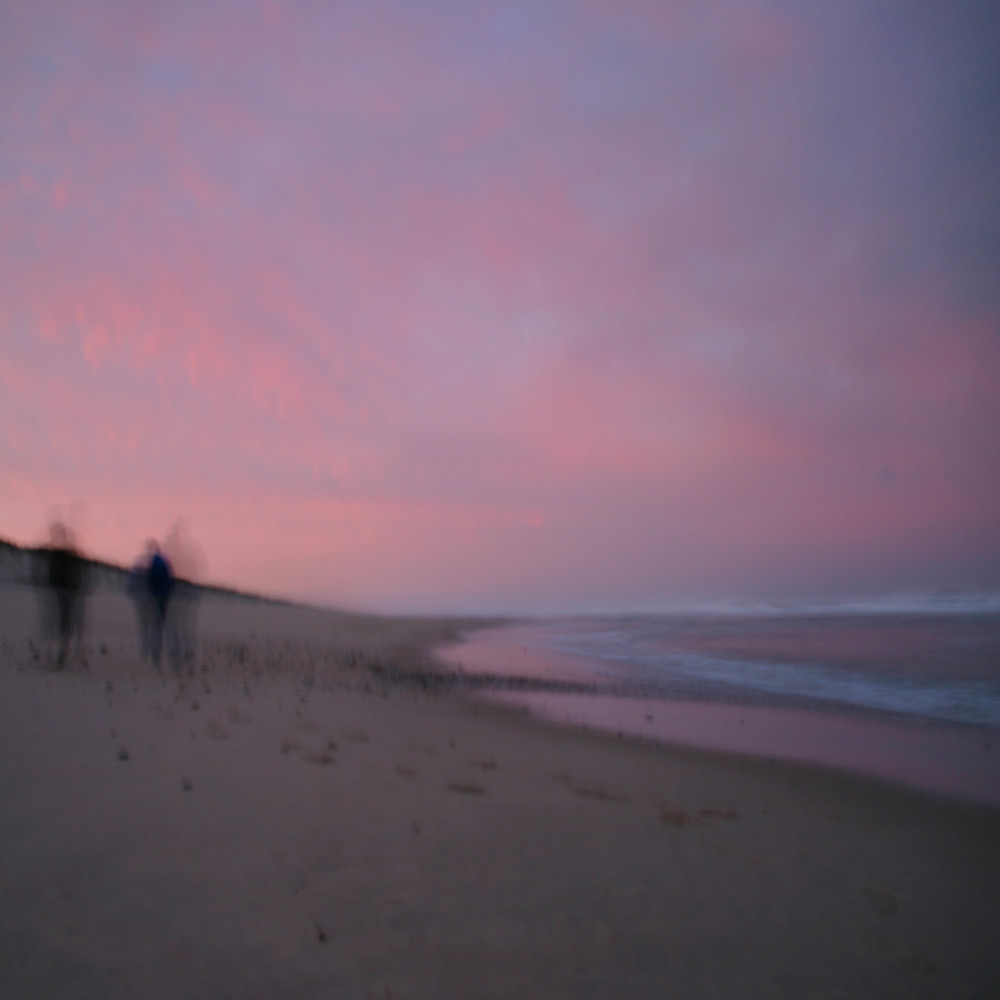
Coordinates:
(507, 306)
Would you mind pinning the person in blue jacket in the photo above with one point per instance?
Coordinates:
(159, 588)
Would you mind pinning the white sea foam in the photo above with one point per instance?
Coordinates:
(651, 654)
(915, 603)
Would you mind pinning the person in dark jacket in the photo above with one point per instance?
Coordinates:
(159, 588)
(65, 581)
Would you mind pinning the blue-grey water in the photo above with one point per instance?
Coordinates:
(938, 667)
(909, 693)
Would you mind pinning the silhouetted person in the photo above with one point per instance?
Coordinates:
(152, 586)
(187, 561)
(65, 580)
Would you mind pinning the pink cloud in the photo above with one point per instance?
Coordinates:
(578, 300)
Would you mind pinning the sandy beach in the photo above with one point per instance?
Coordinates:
(286, 820)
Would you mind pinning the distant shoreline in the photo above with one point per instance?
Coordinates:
(956, 759)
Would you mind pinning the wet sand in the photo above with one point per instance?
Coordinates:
(294, 820)
(961, 761)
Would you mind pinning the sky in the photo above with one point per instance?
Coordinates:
(476, 306)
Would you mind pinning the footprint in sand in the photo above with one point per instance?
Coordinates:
(718, 813)
(598, 793)
(680, 818)
(677, 817)
(238, 716)
(464, 789)
(587, 792)
(483, 763)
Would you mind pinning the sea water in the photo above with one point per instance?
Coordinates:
(904, 691)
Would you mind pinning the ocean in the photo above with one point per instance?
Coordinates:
(904, 692)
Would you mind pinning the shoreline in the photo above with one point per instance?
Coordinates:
(285, 822)
(953, 764)
(475, 659)
(957, 761)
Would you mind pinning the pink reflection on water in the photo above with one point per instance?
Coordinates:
(512, 651)
(958, 761)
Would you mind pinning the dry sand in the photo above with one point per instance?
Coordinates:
(284, 824)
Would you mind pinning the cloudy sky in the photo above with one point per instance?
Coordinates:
(517, 305)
